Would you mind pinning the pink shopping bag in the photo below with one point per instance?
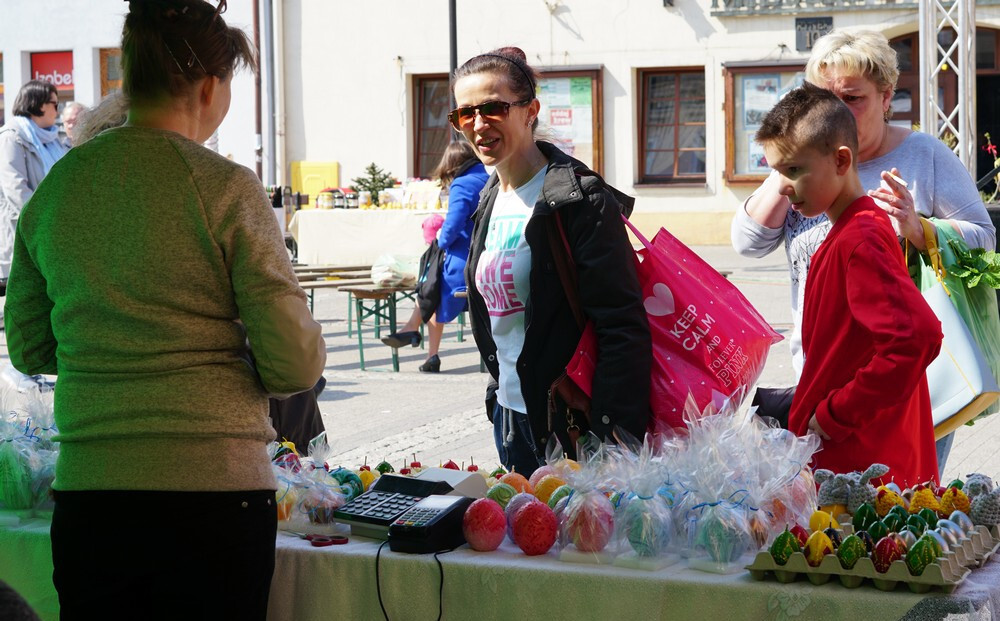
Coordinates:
(708, 340)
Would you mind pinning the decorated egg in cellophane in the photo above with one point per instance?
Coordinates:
(647, 525)
(590, 521)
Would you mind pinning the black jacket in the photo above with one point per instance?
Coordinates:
(610, 295)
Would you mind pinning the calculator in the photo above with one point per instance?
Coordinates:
(371, 513)
(432, 525)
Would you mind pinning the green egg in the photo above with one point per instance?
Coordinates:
(864, 516)
(899, 510)
(920, 555)
(930, 516)
(917, 524)
(878, 530)
(385, 468)
(784, 546)
(893, 522)
(957, 483)
(851, 549)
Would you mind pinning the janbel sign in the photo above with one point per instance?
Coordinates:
(777, 7)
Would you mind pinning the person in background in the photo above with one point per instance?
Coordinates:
(29, 147)
(145, 294)
(521, 317)
(861, 69)
(112, 111)
(464, 176)
(70, 117)
(865, 327)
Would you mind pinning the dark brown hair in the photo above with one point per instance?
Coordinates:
(813, 117)
(168, 45)
(455, 157)
(509, 62)
(32, 96)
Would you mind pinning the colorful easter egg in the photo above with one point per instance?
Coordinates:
(721, 539)
(349, 482)
(563, 491)
(886, 499)
(385, 468)
(484, 525)
(515, 503)
(836, 538)
(851, 549)
(941, 546)
(908, 537)
(901, 541)
(546, 485)
(501, 493)
(920, 555)
(537, 475)
(957, 483)
(929, 515)
(901, 511)
(783, 546)
(837, 509)
(948, 536)
(867, 539)
(817, 546)
(800, 533)
(647, 530)
(947, 525)
(821, 520)
(518, 482)
(864, 516)
(535, 528)
(591, 523)
(367, 478)
(886, 552)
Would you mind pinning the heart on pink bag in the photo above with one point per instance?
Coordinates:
(661, 303)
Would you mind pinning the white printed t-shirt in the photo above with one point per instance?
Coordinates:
(502, 277)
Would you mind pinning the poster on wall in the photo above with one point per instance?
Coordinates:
(53, 67)
(760, 94)
(756, 162)
(566, 116)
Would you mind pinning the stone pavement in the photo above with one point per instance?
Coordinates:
(377, 414)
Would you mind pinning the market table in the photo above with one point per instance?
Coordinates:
(357, 236)
(338, 582)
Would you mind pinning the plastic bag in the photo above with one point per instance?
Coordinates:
(588, 521)
(395, 271)
(707, 338)
(977, 306)
(644, 518)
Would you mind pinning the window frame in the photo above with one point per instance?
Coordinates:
(418, 117)
(642, 179)
(732, 71)
(107, 85)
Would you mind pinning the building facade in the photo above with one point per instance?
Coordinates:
(661, 96)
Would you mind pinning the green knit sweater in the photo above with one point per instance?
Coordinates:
(142, 264)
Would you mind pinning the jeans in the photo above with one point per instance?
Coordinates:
(943, 447)
(163, 555)
(519, 455)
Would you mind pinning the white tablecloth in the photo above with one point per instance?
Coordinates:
(357, 236)
(338, 582)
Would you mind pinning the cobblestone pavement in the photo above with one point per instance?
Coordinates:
(378, 414)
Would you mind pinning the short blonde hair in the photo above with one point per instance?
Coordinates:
(865, 53)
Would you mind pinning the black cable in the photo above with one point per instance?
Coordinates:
(441, 587)
(378, 587)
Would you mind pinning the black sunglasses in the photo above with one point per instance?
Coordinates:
(492, 111)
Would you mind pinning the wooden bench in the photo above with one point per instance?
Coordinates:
(379, 303)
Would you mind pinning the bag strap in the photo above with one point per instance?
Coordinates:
(562, 256)
(933, 252)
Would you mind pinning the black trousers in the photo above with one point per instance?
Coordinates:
(163, 555)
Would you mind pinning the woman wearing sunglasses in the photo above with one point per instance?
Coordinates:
(521, 318)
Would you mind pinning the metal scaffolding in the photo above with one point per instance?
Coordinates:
(937, 16)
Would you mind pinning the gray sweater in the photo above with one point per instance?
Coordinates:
(940, 185)
(142, 264)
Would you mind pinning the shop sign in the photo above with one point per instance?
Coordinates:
(808, 29)
(54, 67)
(720, 8)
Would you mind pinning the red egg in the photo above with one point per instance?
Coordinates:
(484, 525)
(800, 533)
(535, 528)
(450, 465)
(886, 551)
(591, 523)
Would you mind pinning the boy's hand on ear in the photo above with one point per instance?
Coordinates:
(897, 202)
(815, 428)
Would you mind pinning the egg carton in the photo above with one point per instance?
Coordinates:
(972, 551)
(944, 575)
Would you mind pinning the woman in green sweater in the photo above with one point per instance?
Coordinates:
(143, 265)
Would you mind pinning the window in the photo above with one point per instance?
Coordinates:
(751, 91)
(432, 102)
(570, 113)
(111, 71)
(672, 125)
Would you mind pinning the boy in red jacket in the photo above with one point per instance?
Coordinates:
(867, 333)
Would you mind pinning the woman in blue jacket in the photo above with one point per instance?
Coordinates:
(465, 177)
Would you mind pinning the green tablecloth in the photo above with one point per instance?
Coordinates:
(26, 564)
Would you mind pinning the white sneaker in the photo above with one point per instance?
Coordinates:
(23, 383)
